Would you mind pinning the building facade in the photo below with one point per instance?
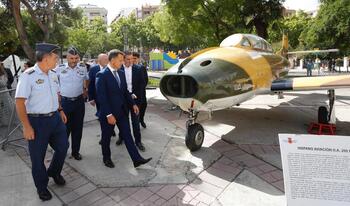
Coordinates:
(93, 11)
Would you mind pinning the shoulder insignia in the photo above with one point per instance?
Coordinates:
(82, 65)
(30, 71)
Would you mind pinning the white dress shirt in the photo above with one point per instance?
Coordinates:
(128, 76)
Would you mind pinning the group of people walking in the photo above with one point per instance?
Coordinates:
(50, 103)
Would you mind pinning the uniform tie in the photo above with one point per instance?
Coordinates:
(116, 77)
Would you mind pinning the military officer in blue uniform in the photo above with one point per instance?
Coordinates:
(73, 83)
(38, 108)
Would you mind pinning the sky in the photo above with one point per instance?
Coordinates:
(114, 6)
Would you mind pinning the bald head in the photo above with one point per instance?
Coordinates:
(102, 59)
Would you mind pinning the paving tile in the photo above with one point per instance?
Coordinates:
(251, 161)
(277, 174)
(201, 204)
(246, 148)
(168, 191)
(223, 167)
(205, 198)
(155, 188)
(108, 190)
(142, 195)
(187, 193)
(89, 198)
(268, 149)
(206, 187)
(130, 190)
(279, 185)
(266, 168)
(194, 202)
(118, 195)
(105, 201)
(153, 198)
(77, 193)
(256, 171)
(233, 154)
(268, 178)
(160, 201)
(129, 202)
(225, 160)
(213, 179)
(257, 149)
(228, 176)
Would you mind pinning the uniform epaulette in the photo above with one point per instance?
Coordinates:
(53, 70)
(29, 71)
(61, 65)
(82, 65)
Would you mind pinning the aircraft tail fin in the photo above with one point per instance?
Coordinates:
(284, 50)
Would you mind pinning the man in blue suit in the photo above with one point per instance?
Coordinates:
(114, 100)
(135, 84)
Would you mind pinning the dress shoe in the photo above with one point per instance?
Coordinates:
(44, 195)
(140, 146)
(58, 179)
(141, 162)
(143, 124)
(119, 141)
(108, 163)
(77, 156)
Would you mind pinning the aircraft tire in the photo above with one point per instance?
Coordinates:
(194, 137)
(322, 115)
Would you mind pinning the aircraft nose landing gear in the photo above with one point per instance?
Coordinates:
(195, 133)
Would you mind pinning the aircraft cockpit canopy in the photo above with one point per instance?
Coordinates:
(246, 41)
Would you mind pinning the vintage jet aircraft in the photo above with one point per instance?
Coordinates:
(243, 66)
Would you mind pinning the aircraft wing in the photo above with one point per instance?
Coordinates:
(314, 51)
(311, 83)
(156, 75)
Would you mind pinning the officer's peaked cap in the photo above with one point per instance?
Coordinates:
(73, 51)
(46, 48)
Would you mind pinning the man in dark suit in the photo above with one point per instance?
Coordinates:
(143, 98)
(114, 100)
(135, 85)
(102, 61)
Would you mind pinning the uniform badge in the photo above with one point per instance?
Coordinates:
(39, 81)
(64, 71)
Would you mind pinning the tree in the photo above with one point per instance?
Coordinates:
(90, 37)
(46, 14)
(260, 13)
(292, 25)
(330, 28)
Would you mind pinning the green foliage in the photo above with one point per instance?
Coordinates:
(91, 38)
(330, 28)
(138, 32)
(292, 25)
(9, 41)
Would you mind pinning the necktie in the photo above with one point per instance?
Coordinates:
(116, 77)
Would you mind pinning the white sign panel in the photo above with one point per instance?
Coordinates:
(316, 169)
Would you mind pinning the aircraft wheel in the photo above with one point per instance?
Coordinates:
(194, 137)
(323, 115)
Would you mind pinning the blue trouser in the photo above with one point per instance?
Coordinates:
(75, 111)
(135, 121)
(124, 132)
(47, 130)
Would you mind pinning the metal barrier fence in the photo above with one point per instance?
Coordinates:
(9, 122)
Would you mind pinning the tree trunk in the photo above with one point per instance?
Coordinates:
(261, 28)
(16, 10)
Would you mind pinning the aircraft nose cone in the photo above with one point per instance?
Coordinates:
(177, 85)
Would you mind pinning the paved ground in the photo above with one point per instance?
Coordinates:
(239, 163)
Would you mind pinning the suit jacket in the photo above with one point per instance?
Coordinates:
(138, 83)
(145, 76)
(92, 84)
(112, 98)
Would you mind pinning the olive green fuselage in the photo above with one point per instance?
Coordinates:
(220, 77)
